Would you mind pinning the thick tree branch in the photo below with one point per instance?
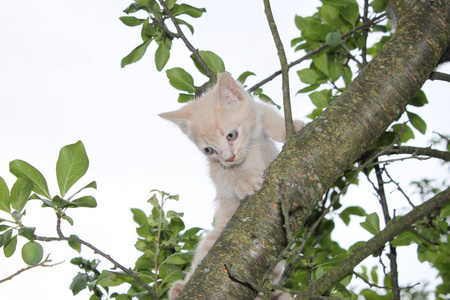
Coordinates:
(395, 227)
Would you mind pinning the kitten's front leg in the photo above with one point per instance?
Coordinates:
(250, 183)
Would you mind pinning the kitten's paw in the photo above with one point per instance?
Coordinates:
(175, 290)
(251, 184)
(298, 125)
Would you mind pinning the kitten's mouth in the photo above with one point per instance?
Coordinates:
(231, 163)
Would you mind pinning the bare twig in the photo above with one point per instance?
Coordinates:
(45, 263)
(318, 50)
(440, 76)
(284, 70)
(392, 250)
(384, 287)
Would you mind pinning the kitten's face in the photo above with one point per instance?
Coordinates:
(221, 122)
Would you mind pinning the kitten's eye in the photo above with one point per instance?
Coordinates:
(232, 135)
(208, 150)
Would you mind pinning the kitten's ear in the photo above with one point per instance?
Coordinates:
(180, 117)
(230, 92)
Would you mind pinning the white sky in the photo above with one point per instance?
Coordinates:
(61, 81)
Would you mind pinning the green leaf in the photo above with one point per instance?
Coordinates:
(136, 54)
(420, 99)
(407, 134)
(371, 224)
(139, 216)
(189, 26)
(417, 122)
(309, 76)
(79, 283)
(162, 56)
(405, 238)
(329, 13)
(379, 5)
(131, 21)
(86, 201)
(212, 60)
(61, 203)
(75, 245)
(352, 210)
(21, 168)
(4, 196)
(170, 273)
(27, 232)
(350, 13)
(321, 99)
(10, 247)
(170, 3)
(181, 80)
(308, 89)
(243, 77)
(188, 10)
(108, 278)
(322, 63)
(92, 185)
(184, 98)
(20, 193)
(5, 237)
(132, 8)
(336, 70)
(72, 164)
(339, 2)
(374, 274)
(178, 259)
(176, 225)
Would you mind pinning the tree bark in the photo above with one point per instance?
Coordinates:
(320, 153)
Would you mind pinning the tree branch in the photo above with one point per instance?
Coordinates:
(318, 50)
(392, 229)
(284, 70)
(191, 48)
(416, 151)
(101, 253)
(44, 263)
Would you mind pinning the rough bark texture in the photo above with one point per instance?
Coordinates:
(310, 163)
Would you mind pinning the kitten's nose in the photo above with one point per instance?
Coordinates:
(231, 159)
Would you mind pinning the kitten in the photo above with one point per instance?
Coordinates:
(236, 134)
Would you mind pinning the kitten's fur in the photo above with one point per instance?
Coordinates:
(235, 132)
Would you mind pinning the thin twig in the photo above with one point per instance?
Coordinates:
(392, 250)
(191, 48)
(101, 253)
(284, 70)
(318, 50)
(384, 287)
(44, 263)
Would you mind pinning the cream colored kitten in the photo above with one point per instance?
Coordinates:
(236, 134)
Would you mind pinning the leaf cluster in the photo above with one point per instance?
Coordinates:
(71, 166)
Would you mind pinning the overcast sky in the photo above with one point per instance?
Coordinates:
(61, 82)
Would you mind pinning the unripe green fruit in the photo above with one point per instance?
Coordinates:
(333, 39)
(32, 253)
